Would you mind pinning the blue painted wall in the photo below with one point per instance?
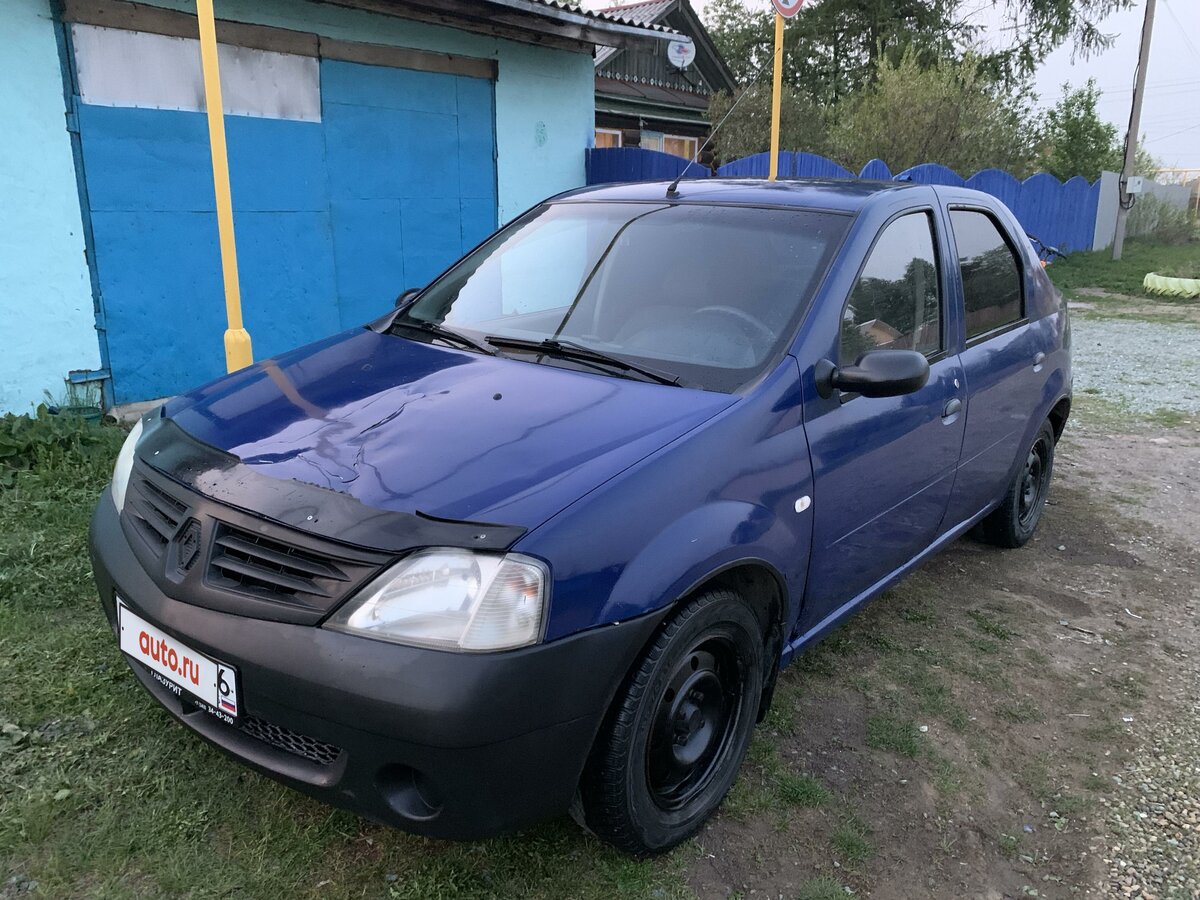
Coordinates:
(46, 320)
(159, 245)
(333, 218)
(545, 98)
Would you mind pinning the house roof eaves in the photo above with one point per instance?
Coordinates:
(596, 26)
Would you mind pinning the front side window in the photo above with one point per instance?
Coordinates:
(991, 273)
(706, 293)
(896, 302)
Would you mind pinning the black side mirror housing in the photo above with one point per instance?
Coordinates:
(407, 297)
(877, 373)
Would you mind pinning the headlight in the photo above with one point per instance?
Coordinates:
(453, 600)
(120, 478)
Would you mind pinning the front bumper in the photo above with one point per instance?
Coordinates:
(449, 745)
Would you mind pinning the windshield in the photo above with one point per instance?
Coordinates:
(705, 293)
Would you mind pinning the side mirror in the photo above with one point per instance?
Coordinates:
(407, 297)
(878, 373)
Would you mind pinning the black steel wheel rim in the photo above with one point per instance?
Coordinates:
(1034, 480)
(694, 723)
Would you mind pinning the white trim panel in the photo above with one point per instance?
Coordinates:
(154, 71)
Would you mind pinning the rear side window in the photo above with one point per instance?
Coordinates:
(991, 273)
(896, 302)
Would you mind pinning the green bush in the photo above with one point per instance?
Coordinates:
(1159, 221)
(46, 438)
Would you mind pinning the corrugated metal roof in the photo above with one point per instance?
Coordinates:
(645, 13)
(615, 14)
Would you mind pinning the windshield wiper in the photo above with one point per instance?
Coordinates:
(580, 353)
(447, 334)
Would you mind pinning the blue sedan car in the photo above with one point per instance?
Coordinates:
(542, 538)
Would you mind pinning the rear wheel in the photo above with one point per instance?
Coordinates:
(672, 745)
(1013, 522)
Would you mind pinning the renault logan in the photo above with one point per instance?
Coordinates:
(541, 538)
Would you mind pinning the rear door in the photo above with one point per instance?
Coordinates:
(1003, 358)
(884, 467)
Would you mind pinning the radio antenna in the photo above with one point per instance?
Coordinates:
(673, 191)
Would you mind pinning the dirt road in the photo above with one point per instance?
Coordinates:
(979, 730)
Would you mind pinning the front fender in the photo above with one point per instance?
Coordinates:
(698, 545)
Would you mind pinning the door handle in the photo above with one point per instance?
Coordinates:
(952, 406)
(1037, 361)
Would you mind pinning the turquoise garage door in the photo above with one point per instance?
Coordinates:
(350, 181)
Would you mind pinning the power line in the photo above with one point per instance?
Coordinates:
(1182, 31)
(1180, 131)
(1180, 82)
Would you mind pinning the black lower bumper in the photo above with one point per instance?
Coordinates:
(445, 744)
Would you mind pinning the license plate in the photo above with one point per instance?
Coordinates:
(183, 671)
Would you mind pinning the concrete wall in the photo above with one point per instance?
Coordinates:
(1176, 195)
(47, 326)
(545, 98)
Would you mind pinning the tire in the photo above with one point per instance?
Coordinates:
(1014, 521)
(672, 744)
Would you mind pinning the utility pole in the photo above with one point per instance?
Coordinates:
(238, 351)
(1124, 202)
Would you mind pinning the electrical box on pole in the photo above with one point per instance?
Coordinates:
(1127, 188)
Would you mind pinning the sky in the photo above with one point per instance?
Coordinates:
(1171, 111)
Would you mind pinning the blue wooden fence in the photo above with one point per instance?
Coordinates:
(1062, 214)
(609, 164)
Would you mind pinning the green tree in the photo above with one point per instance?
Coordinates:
(1076, 140)
(833, 47)
(955, 113)
(803, 125)
(1145, 163)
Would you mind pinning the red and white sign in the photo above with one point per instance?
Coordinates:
(787, 8)
(177, 666)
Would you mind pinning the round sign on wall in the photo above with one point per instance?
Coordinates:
(787, 8)
(682, 53)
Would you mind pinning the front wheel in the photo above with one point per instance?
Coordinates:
(673, 743)
(1013, 522)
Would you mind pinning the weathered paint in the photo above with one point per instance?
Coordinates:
(540, 116)
(47, 325)
(545, 98)
(334, 217)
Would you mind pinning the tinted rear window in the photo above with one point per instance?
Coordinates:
(991, 272)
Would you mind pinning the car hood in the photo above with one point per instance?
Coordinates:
(413, 427)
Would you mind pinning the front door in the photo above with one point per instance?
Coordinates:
(884, 468)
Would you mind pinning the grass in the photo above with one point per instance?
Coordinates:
(1097, 269)
(885, 732)
(1105, 414)
(1009, 844)
(990, 626)
(101, 794)
(1019, 712)
(802, 790)
(849, 839)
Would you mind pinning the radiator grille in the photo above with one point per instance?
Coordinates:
(157, 514)
(208, 554)
(289, 741)
(262, 566)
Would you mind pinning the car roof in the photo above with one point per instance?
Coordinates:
(837, 194)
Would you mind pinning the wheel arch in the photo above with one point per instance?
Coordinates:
(762, 586)
(1058, 416)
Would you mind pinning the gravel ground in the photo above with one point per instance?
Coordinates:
(1147, 366)
(1154, 816)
